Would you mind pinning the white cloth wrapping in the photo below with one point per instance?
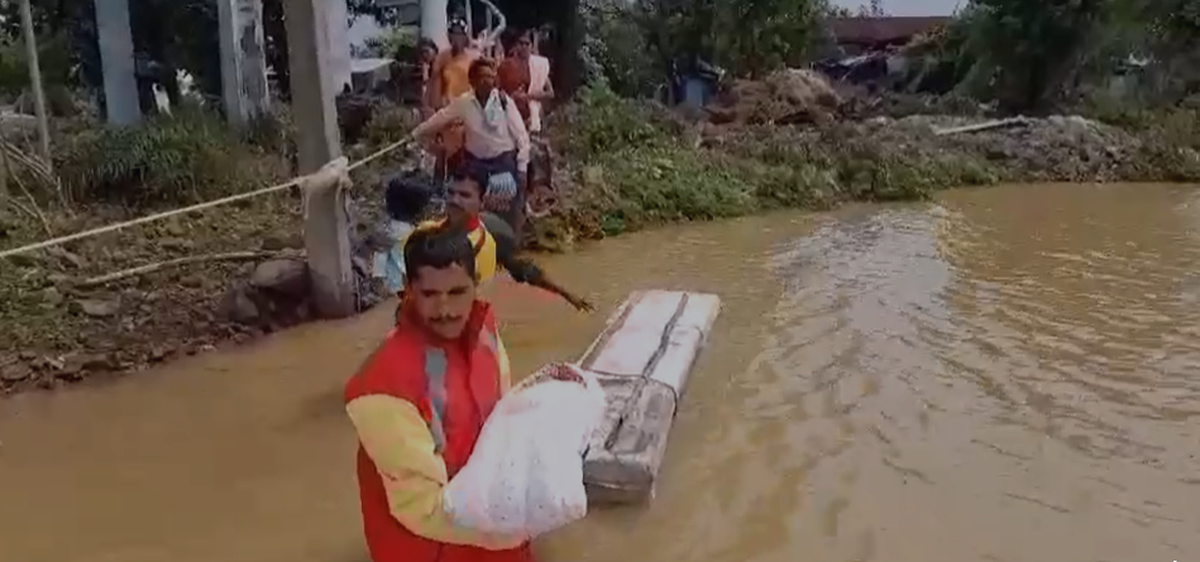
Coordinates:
(525, 476)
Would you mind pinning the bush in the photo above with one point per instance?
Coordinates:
(389, 124)
(54, 59)
(616, 52)
(186, 158)
(273, 131)
(633, 164)
(601, 122)
(649, 186)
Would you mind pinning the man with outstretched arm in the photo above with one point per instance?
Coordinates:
(493, 239)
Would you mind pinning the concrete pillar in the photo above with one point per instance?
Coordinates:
(435, 22)
(116, 59)
(35, 81)
(327, 240)
(243, 59)
(326, 225)
(338, 57)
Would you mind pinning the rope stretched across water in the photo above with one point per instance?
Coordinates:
(193, 208)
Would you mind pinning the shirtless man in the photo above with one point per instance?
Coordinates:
(449, 80)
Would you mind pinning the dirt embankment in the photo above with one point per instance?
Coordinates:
(124, 301)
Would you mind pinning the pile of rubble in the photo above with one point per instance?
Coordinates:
(790, 96)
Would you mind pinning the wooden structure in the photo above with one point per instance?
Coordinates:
(643, 360)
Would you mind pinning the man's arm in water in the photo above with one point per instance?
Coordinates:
(523, 270)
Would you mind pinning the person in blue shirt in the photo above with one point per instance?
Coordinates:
(407, 200)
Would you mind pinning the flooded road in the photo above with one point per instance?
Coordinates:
(1010, 374)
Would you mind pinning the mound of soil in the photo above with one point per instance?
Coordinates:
(785, 97)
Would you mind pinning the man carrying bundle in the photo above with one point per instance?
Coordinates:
(419, 403)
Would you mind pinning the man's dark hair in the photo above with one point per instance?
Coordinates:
(407, 196)
(469, 171)
(515, 36)
(439, 247)
(427, 43)
(478, 64)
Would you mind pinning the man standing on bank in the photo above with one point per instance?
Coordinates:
(525, 77)
(495, 144)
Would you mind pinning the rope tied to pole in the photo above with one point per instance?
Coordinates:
(339, 167)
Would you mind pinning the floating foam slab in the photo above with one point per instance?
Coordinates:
(642, 360)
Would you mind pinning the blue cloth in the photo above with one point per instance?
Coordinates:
(389, 265)
(501, 195)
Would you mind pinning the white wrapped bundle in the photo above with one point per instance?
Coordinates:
(525, 476)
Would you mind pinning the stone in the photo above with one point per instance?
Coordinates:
(177, 244)
(15, 372)
(174, 228)
(159, 353)
(52, 297)
(238, 307)
(24, 260)
(71, 371)
(282, 276)
(99, 362)
(99, 308)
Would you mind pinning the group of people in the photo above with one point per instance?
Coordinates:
(419, 402)
(482, 132)
(489, 133)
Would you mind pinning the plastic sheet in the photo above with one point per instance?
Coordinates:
(525, 477)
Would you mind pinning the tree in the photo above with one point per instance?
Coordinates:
(874, 9)
(1028, 51)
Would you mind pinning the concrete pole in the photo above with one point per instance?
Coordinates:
(243, 61)
(35, 80)
(338, 19)
(326, 224)
(116, 58)
(435, 22)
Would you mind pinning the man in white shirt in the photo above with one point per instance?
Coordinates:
(496, 143)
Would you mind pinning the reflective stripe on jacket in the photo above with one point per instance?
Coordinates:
(418, 405)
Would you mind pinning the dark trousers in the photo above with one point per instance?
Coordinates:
(514, 215)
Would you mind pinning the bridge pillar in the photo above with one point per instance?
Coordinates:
(326, 231)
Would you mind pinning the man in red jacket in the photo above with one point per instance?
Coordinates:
(419, 403)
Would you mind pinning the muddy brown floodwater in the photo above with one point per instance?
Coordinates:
(1010, 374)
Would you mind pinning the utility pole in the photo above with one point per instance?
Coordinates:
(35, 80)
(243, 61)
(326, 225)
(338, 42)
(116, 59)
(435, 23)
